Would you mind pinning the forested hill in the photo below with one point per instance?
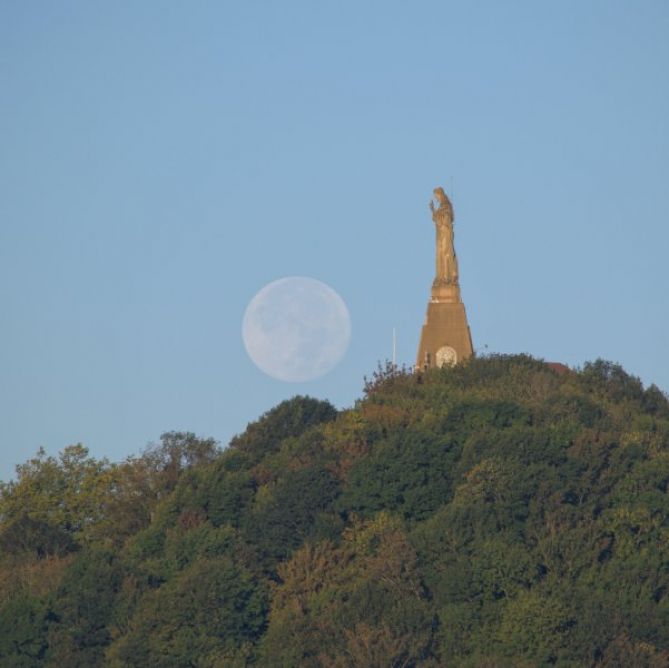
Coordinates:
(499, 513)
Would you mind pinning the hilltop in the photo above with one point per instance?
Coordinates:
(503, 512)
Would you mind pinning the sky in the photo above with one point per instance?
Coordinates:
(160, 162)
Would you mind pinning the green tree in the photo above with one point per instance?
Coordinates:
(289, 419)
(23, 632)
(81, 611)
(359, 604)
(290, 512)
(67, 493)
(203, 617)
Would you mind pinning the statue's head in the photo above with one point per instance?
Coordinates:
(440, 195)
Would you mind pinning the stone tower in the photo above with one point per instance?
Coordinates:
(445, 338)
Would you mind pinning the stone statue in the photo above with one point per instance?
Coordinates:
(445, 338)
(447, 261)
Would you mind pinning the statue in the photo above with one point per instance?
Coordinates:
(447, 261)
(445, 338)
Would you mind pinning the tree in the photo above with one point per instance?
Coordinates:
(66, 494)
(203, 617)
(23, 632)
(289, 419)
(178, 451)
(358, 604)
(289, 513)
(79, 630)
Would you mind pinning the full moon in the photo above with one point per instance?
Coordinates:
(296, 329)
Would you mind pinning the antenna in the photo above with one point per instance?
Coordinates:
(394, 348)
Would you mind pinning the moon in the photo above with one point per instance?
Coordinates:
(296, 329)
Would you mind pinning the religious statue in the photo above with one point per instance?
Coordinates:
(447, 262)
(445, 338)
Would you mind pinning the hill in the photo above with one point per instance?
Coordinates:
(499, 513)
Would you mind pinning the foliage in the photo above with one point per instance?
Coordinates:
(360, 603)
(200, 617)
(65, 494)
(499, 513)
(23, 632)
(81, 610)
(289, 418)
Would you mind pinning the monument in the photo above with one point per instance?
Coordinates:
(445, 338)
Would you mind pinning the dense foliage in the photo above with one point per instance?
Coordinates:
(499, 513)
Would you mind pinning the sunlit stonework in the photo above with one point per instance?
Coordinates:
(446, 356)
(445, 338)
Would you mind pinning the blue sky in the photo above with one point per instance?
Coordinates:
(161, 161)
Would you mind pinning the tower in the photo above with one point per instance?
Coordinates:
(445, 338)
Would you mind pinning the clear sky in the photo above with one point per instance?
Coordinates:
(161, 161)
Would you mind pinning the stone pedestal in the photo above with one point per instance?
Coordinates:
(445, 338)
